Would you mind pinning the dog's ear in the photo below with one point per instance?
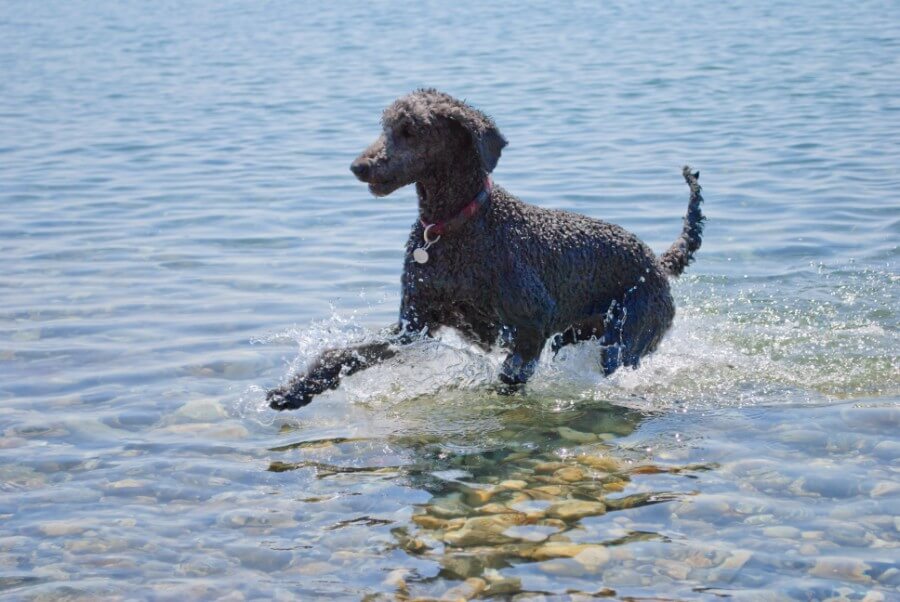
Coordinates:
(486, 138)
(488, 145)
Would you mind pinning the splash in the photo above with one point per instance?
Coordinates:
(793, 339)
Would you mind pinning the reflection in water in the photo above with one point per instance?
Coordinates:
(462, 490)
(522, 493)
(595, 499)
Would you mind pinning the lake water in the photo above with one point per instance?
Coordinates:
(180, 231)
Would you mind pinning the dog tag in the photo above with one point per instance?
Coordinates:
(421, 254)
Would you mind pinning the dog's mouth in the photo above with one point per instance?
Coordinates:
(383, 188)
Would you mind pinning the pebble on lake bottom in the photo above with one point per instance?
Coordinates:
(575, 509)
(850, 569)
(61, 528)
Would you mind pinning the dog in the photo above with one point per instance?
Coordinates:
(498, 270)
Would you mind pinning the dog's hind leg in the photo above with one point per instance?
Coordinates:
(633, 329)
(589, 329)
(619, 333)
(616, 340)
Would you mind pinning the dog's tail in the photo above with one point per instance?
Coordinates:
(681, 253)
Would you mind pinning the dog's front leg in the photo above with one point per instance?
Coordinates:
(527, 308)
(327, 370)
(326, 373)
(522, 360)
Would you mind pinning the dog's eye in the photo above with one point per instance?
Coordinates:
(406, 132)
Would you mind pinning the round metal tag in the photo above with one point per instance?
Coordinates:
(420, 255)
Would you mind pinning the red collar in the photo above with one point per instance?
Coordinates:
(439, 228)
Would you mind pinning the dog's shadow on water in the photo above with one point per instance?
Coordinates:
(506, 480)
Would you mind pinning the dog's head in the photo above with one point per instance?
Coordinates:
(426, 134)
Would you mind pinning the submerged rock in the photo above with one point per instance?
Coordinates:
(128, 484)
(202, 410)
(782, 532)
(260, 558)
(558, 549)
(673, 568)
(576, 436)
(449, 507)
(499, 585)
(592, 557)
(479, 496)
(494, 508)
(462, 566)
(586, 557)
(548, 467)
(575, 509)
(513, 484)
(885, 488)
(809, 549)
(737, 559)
(549, 491)
(533, 533)
(315, 568)
(570, 474)
(604, 463)
(484, 530)
(397, 580)
(615, 486)
(210, 430)
(887, 450)
(60, 528)
(56, 572)
(466, 590)
(850, 569)
(429, 522)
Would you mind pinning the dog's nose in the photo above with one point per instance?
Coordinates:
(361, 168)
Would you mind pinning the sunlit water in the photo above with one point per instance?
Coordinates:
(180, 231)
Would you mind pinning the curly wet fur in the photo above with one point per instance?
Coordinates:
(515, 274)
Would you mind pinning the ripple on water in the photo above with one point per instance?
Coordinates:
(179, 224)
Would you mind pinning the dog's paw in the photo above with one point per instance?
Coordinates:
(283, 398)
(507, 387)
(515, 372)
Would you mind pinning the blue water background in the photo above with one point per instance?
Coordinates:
(174, 189)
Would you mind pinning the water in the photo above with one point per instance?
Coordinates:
(180, 231)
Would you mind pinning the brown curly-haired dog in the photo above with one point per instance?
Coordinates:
(499, 270)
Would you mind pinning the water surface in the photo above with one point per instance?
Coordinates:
(180, 231)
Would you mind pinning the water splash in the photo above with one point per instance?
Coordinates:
(734, 343)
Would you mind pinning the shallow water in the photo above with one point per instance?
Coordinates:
(180, 231)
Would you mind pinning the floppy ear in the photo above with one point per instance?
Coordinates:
(488, 145)
(486, 138)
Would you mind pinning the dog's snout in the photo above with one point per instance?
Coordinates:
(361, 168)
